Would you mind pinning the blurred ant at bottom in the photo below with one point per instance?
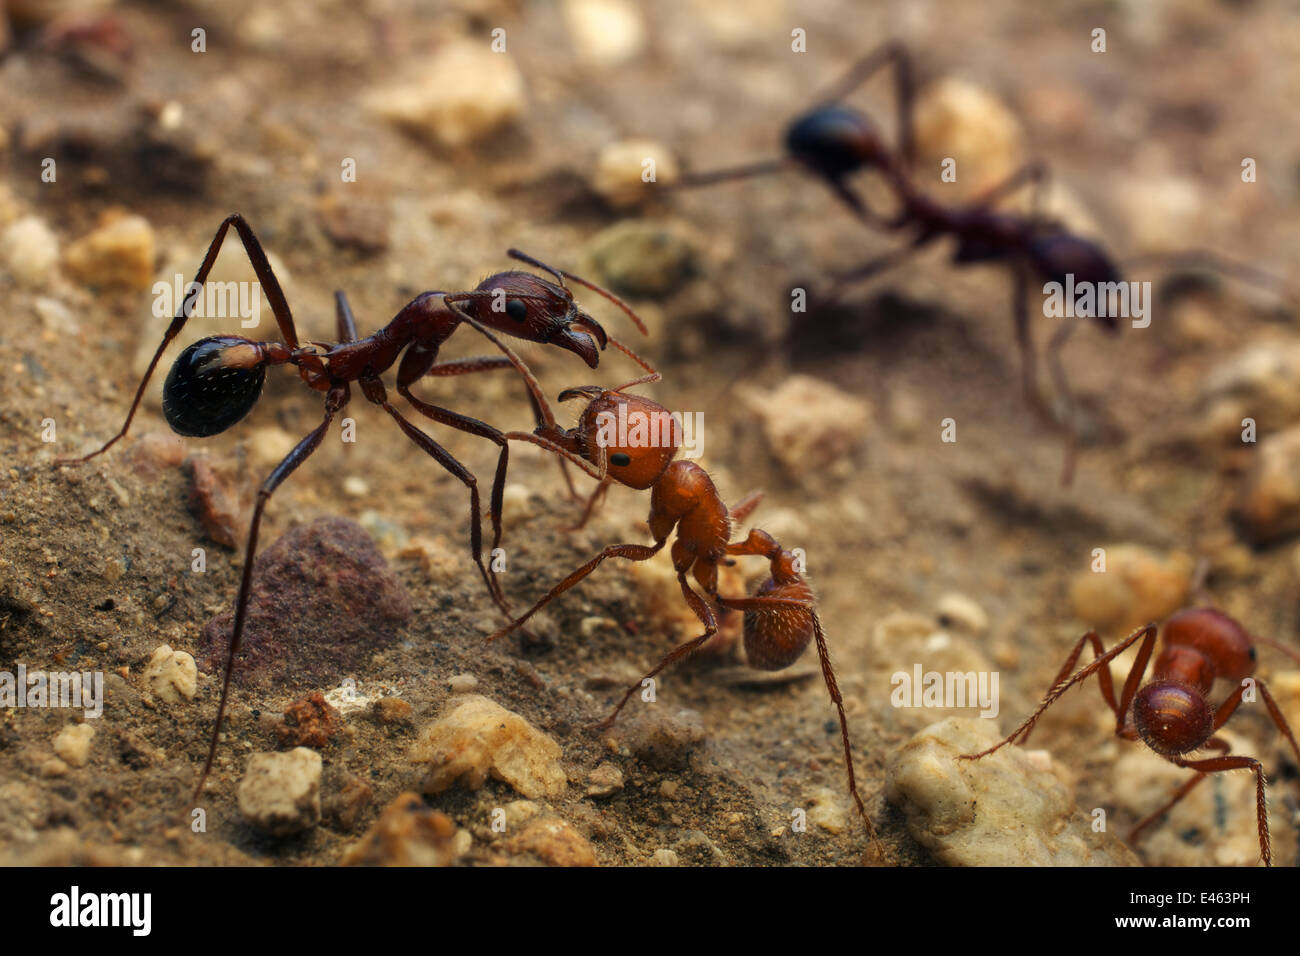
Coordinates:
(780, 618)
(1171, 713)
(833, 141)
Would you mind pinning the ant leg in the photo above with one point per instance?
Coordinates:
(632, 552)
(872, 268)
(375, 392)
(1278, 719)
(1053, 352)
(345, 320)
(593, 501)
(1033, 174)
(1214, 743)
(707, 618)
(893, 54)
(1221, 764)
(1146, 634)
(743, 508)
(266, 278)
(334, 402)
(766, 605)
(1103, 675)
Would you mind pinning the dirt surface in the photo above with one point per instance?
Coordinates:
(1144, 141)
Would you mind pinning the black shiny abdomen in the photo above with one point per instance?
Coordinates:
(202, 397)
(833, 140)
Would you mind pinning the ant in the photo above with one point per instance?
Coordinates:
(833, 141)
(215, 382)
(780, 619)
(1171, 713)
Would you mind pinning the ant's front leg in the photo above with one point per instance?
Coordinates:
(1035, 175)
(1148, 637)
(270, 285)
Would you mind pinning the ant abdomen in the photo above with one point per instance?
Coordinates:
(212, 385)
(1172, 718)
(774, 639)
(834, 141)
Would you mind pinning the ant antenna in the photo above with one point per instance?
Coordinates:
(561, 274)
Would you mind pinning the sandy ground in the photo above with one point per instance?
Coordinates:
(1145, 143)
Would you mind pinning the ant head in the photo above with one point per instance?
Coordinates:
(1216, 636)
(530, 307)
(1057, 254)
(212, 385)
(834, 141)
(640, 438)
(1172, 717)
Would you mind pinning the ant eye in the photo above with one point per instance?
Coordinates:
(621, 459)
(208, 389)
(516, 309)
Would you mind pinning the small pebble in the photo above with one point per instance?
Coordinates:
(958, 610)
(1269, 503)
(664, 858)
(409, 833)
(30, 251)
(119, 253)
(621, 171)
(280, 792)
(553, 841)
(1005, 809)
(1139, 585)
(605, 33)
(642, 258)
(72, 744)
(809, 424)
(478, 738)
(604, 781)
(464, 93)
(171, 675)
(463, 684)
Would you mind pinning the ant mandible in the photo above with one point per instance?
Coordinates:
(216, 381)
(1171, 713)
(780, 619)
(834, 141)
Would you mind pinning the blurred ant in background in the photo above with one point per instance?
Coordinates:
(1171, 712)
(833, 141)
(215, 382)
(780, 619)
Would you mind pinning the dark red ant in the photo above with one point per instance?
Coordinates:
(780, 620)
(1171, 713)
(216, 381)
(834, 141)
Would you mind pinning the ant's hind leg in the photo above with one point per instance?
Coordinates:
(270, 286)
(707, 618)
(346, 322)
(334, 402)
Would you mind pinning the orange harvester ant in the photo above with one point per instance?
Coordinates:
(834, 141)
(779, 620)
(216, 381)
(1171, 713)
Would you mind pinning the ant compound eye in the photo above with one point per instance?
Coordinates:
(212, 385)
(516, 309)
(621, 459)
